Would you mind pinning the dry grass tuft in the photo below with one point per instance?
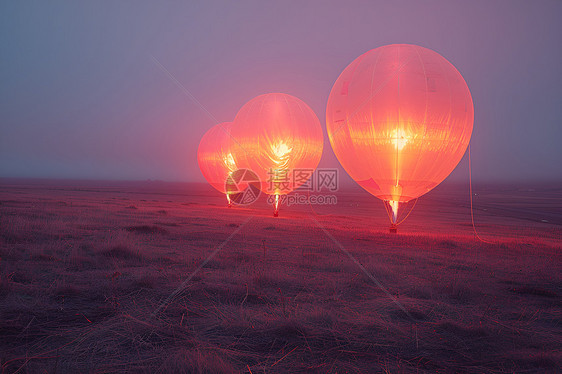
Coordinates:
(146, 229)
(200, 361)
(535, 291)
(122, 252)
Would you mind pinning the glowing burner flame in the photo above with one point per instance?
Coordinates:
(281, 154)
(399, 138)
(229, 162)
(394, 205)
(276, 206)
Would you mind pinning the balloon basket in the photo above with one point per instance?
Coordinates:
(275, 214)
(393, 229)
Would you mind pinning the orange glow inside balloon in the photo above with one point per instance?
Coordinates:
(215, 156)
(278, 136)
(399, 119)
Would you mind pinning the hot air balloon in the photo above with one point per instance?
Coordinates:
(216, 159)
(280, 136)
(399, 119)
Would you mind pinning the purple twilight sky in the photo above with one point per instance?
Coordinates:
(82, 95)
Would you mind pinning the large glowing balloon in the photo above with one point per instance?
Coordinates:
(215, 157)
(281, 141)
(399, 119)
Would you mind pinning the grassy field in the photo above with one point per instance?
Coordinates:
(163, 278)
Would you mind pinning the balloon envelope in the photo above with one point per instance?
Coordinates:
(280, 140)
(399, 119)
(215, 155)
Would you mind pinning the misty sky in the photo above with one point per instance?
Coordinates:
(83, 97)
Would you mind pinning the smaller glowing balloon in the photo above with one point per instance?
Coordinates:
(216, 159)
(279, 136)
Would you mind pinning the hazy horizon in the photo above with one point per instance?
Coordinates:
(84, 95)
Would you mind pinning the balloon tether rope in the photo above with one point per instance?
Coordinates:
(471, 208)
(387, 211)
